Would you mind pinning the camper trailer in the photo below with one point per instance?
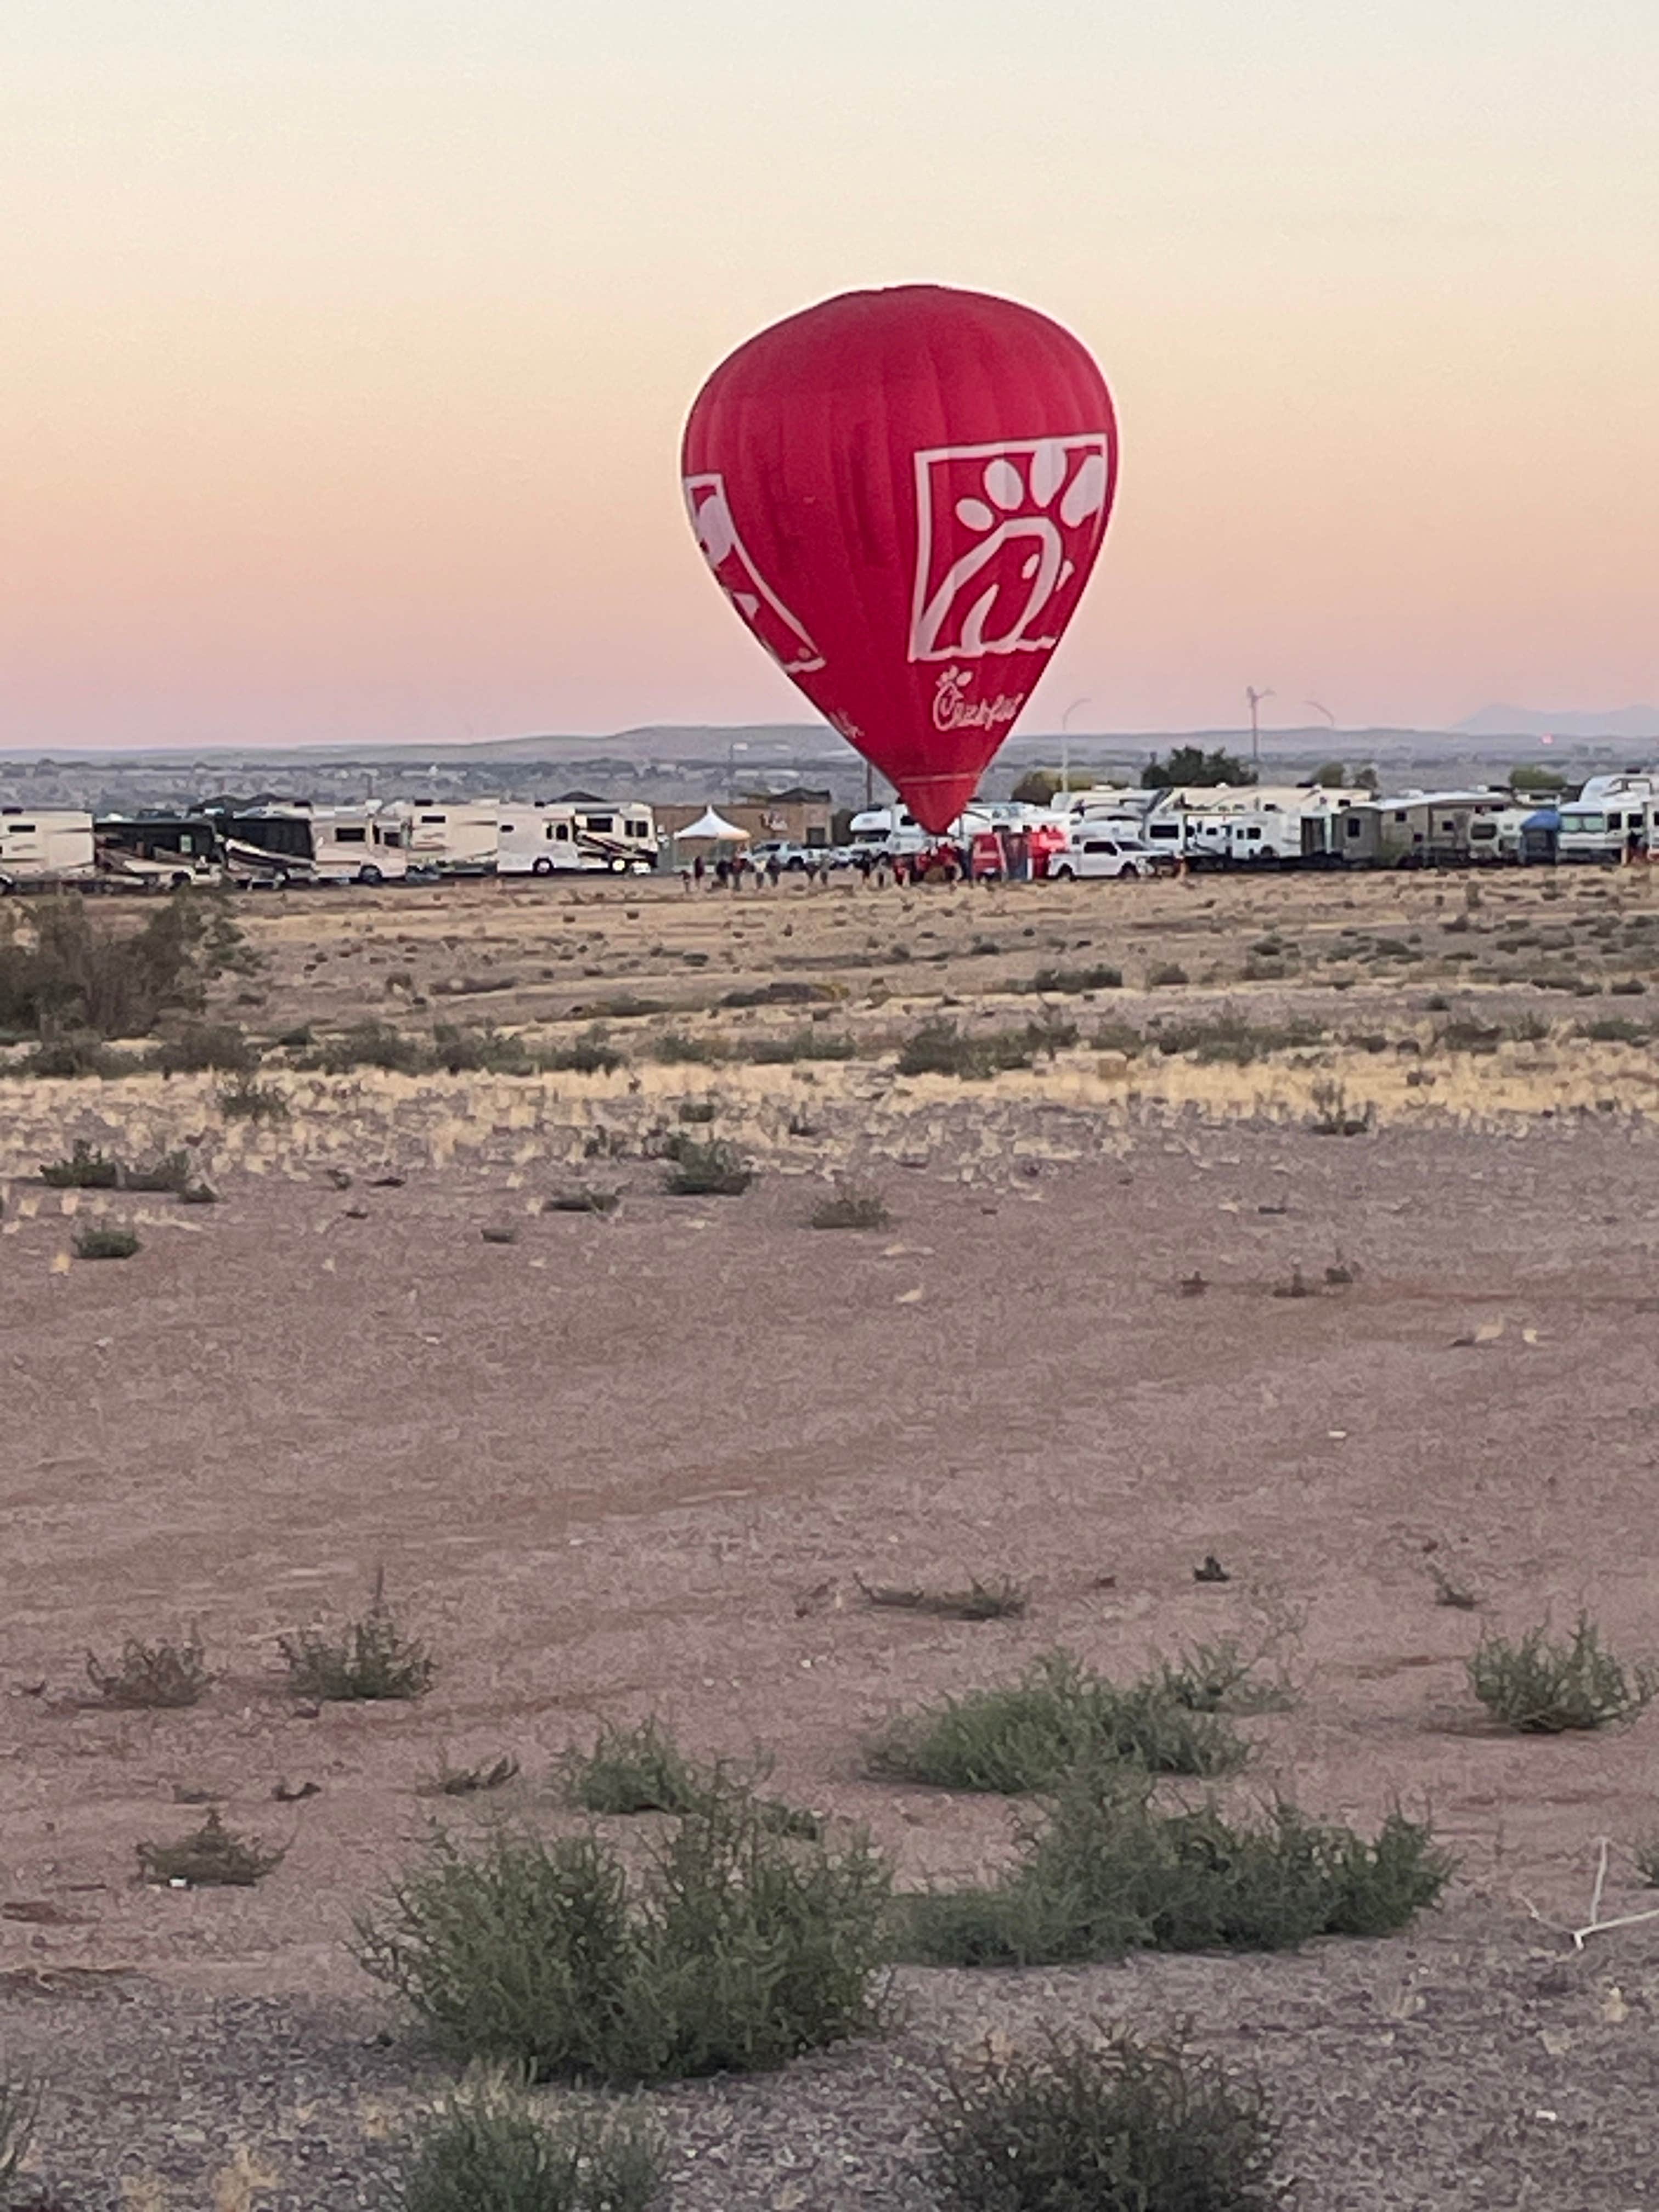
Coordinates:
(1418, 830)
(538, 840)
(42, 849)
(621, 839)
(1613, 817)
(453, 841)
(157, 852)
(276, 845)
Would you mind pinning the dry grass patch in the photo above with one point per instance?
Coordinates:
(1001, 1600)
(370, 1661)
(1545, 1686)
(854, 1206)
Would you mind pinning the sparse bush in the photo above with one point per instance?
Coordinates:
(637, 1769)
(501, 1232)
(372, 1044)
(806, 1044)
(171, 1173)
(198, 1194)
(371, 1660)
(20, 2109)
(95, 1243)
(1333, 1116)
(253, 1102)
(1613, 1029)
(1449, 1592)
(471, 1781)
(591, 1053)
(214, 1858)
(1222, 1678)
(582, 1201)
(1002, 1600)
(1109, 1873)
(166, 1675)
(1118, 2126)
(478, 1052)
(854, 1206)
(697, 1109)
(1166, 974)
(717, 1170)
(1543, 1685)
(84, 1170)
(65, 974)
(736, 1949)
(939, 1047)
(1029, 1735)
(1626, 987)
(1231, 1040)
(1068, 981)
(203, 1046)
(678, 1048)
(77, 1055)
(486, 2149)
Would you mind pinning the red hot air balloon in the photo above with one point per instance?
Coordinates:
(902, 494)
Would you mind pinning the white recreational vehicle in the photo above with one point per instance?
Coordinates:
(554, 837)
(157, 852)
(458, 840)
(278, 845)
(44, 848)
(1612, 816)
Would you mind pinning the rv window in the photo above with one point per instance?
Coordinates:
(352, 836)
(603, 823)
(1353, 825)
(504, 830)
(1401, 816)
(21, 829)
(638, 829)
(438, 818)
(562, 831)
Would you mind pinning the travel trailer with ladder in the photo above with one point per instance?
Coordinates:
(458, 840)
(40, 848)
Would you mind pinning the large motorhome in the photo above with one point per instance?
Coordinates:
(1614, 817)
(54, 847)
(159, 851)
(538, 840)
(1418, 830)
(623, 839)
(457, 839)
(277, 844)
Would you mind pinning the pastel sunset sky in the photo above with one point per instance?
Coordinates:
(347, 342)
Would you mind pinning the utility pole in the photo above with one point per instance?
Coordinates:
(1255, 699)
(1065, 745)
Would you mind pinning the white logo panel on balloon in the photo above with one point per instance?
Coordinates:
(1005, 533)
(785, 638)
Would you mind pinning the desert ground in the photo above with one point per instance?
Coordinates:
(649, 1462)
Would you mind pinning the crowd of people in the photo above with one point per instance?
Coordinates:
(736, 872)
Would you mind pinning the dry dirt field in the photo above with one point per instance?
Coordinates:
(641, 1463)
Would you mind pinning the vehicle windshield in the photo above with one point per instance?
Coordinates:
(1592, 823)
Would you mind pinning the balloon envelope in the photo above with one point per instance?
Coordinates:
(902, 494)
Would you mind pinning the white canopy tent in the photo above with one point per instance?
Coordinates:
(712, 827)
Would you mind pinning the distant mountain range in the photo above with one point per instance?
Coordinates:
(1528, 722)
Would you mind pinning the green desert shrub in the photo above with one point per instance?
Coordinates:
(633, 1770)
(1028, 1734)
(95, 1243)
(200, 1046)
(64, 973)
(371, 1660)
(739, 1947)
(1548, 1685)
(1108, 1873)
(716, 1169)
(591, 1053)
(253, 1102)
(807, 1044)
(1063, 981)
(1115, 2125)
(479, 1052)
(853, 1205)
(20, 2109)
(157, 1676)
(213, 1857)
(84, 1170)
(487, 2148)
(372, 1044)
(939, 1047)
